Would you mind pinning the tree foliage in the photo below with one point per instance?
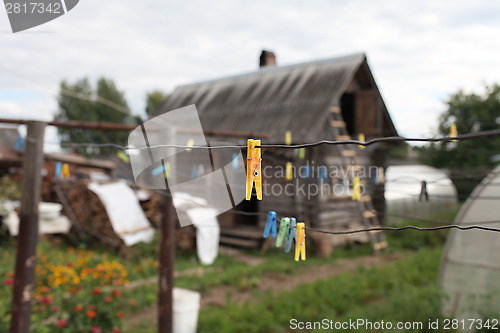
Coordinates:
(80, 101)
(471, 112)
(154, 100)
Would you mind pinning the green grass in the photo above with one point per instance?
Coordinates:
(402, 291)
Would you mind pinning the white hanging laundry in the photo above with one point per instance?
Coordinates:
(207, 233)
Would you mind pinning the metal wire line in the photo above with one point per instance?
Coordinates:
(450, 226)
(305, 145)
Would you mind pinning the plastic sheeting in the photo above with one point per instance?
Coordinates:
(126, 215)
(402, 189)
(470, 269)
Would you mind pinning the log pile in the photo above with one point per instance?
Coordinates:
(152, 207)
(88, 216)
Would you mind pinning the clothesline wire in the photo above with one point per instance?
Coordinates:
(467, 136)
(414, 218)
(408, 227)
(471, 226)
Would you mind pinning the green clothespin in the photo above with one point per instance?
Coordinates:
(283, 232)
(302, 153)
(122, 156)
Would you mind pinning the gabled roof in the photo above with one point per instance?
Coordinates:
(272, 99)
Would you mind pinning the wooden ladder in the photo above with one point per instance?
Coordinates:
(348, 155)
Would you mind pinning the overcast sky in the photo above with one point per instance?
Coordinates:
(419, 52)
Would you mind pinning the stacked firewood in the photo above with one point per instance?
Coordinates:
(87, 213)
(152, 207)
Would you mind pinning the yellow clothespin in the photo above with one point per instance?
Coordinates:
(453, 131)
(289, 171)
(356, 189)
(254, 168)
(361, 138)
(166, 171)
(288, 137)
(300, 245)
(190, 144)
(65, 171)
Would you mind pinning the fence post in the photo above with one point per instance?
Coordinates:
(28, 228)
(166, 267)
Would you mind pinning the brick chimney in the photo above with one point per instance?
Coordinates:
(267, 58)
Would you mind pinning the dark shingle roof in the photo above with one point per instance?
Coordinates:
(272, 99)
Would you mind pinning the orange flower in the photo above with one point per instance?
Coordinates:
(91, 314)
(108, 299)
(78, 308)
(120, 314)
(132, 302)
(96, 291)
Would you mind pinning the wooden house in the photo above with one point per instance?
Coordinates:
(332, 99)
(11, 148)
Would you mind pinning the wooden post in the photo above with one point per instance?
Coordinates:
(166, 256)
(166, 267)
(28, 229)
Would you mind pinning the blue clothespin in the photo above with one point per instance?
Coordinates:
(158, 170)
(235, 163)
(58, 169)
(19, 144)
(270, 225)
(292, 235)
(194, 172)
(307, 172)
(323, 174)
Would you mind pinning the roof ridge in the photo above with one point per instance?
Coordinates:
(272, 69)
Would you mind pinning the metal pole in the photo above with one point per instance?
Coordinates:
(28, 229)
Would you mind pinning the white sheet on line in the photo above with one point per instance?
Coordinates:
(207, 233)
(126, 215)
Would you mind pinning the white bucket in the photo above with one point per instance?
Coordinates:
(186, 307)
